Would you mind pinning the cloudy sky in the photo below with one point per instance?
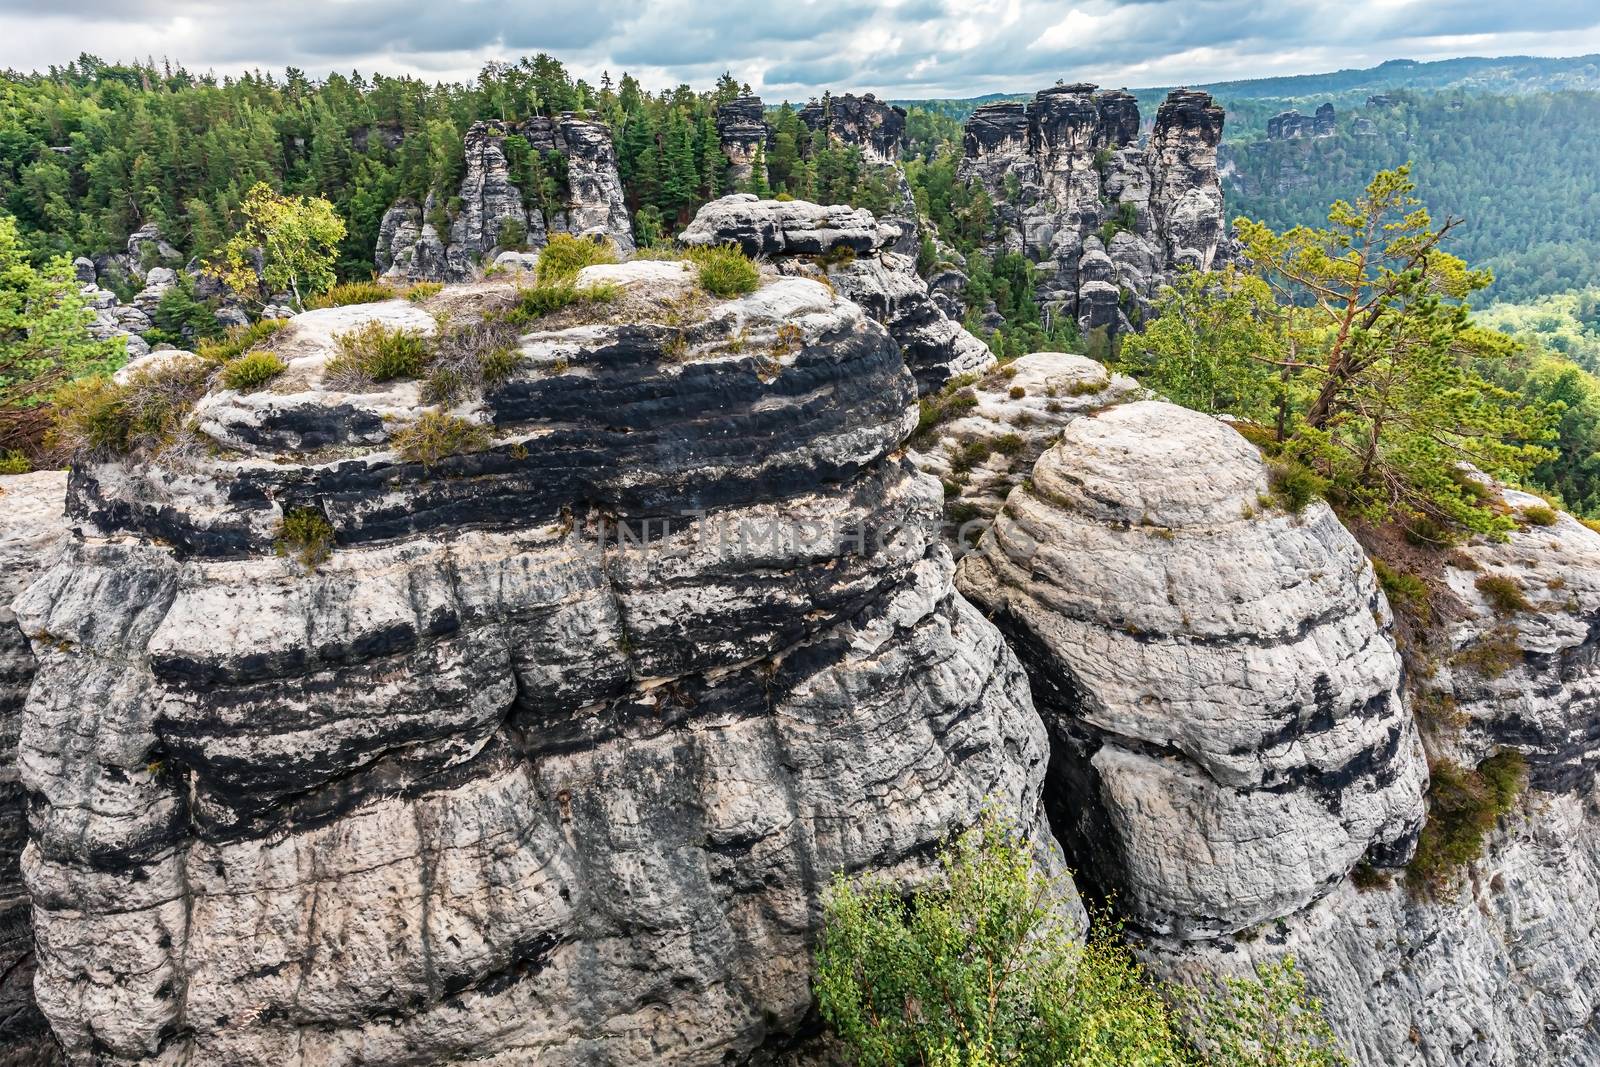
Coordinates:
(793, 48)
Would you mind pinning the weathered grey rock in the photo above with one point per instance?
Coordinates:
(854, 251)
(83, 268)
(743, 133)
(551, 760)
(148, 248)
(158, 281)
(1500, 968)
(875, 127)
(1292, 126)
(1054, 388)
(1066, 166)
(1218, 677)
(492, 210)
(30, 524)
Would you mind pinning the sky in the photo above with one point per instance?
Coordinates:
(793, 49)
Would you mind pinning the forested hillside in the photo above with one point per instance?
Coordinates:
(1523, 171)
(91, 151)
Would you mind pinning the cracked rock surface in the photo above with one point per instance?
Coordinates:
(551, 760)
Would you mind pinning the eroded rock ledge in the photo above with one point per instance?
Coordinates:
(551, 759)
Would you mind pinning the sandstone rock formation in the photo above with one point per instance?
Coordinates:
(870, 124)
(550, 760)
(855, 253)
(1228, 741)
(494, 212)
(1292, 126)
(1001, 424)
(1108, 221)
(743, 133)
(30, 525)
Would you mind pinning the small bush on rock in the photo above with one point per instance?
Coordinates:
(474, 358)
(1504, 595)
(421, 291)
(1293, 485)
(438, 435)
(12, 462)
(566, 255)
(97, 419)
(546, 298)
(1406, 592)
(238, 340)
(346, 293)
(252, 371)
(1539, 515)
(375, 353)
(1463, 807)
(305, 535)
(725, 271)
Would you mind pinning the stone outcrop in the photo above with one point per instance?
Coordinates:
(551, 759)
(494, 213)
(1011, 416)
(1228, 739)
(875, 127)
(1192, 647)
(1501, 967)
(743, 132)
(855, 252)
(30, 524)
(1292, 126)
(1108, 220)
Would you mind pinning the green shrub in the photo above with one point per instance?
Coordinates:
(346, 293)
(252, 371)
(1504, 595)
(1295, 485)
(1540, 515)
(420, 291)
(438, 435)
(376, 353)
(1008, 444)
(566, 255)
(12, 462)
(1017, 392)
(96, 419)
(238, 340)
(1406, 592)
(840, 255)
(473, 358)
(546, 298)
(305, 535)
(1463, 807)
(725, 271)
(953, 401)
(982, 967)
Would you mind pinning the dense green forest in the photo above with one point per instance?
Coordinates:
(91, 151)
(1523, 171)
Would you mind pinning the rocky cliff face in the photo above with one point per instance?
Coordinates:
(857, 255)
(743, 133)
(492, 210)
(1292, 126)
(1108, 220)
(30, 525)
(552, 757)
(1229, 742)
(875, 127)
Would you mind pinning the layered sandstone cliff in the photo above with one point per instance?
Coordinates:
(1234, 764)
(551, 757)
(857, 255)
(1107, 220)
(491, 212)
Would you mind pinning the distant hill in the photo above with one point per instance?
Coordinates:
(1472, 74)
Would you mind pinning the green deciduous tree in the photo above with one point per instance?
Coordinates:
(297, 238)
(43, 340)
(986, 967)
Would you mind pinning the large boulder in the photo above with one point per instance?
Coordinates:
(552, 758)
(855, 252)
(1217, 673)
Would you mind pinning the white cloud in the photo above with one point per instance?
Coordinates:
(796, 48)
